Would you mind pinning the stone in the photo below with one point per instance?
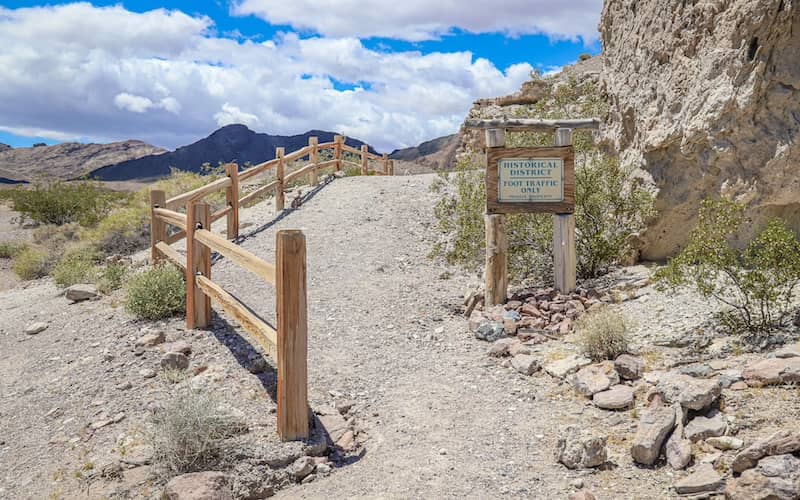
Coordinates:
(180, 346)
(772, 371)
(775, 478)
(780, 443)
(174, 361)
(476, 320)
(501, 346)
(302, 467)
(490, 331)
(519, 348)
(525, 364)
(701, 427)
(739, 386)
(531, 310)
(582, 495)
(147, 373)
(210, 485)
(323, 469)
(566, 366)
(595, 378)
(702, 370)
(704, 479)
(729, 377)
(578, 449)
(618, 397)
(655, 424)
(79, 293)
(347, 442)
(343, 406)
(34, 328)
(690, 392)
(629, 367)
(725, 443)
(150, 339)
(334, 425)
(678, 450)
(257, 365)
(791, 351)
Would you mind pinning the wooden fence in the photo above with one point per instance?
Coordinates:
(287, 343)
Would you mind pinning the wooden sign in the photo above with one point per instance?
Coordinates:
(522, 180)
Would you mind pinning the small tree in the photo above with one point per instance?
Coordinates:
(757, 282)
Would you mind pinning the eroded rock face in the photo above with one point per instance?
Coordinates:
(705, 97)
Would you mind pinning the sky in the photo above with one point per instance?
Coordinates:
(392, 73)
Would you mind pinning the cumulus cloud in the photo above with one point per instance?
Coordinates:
(417, 20)
(167, 78)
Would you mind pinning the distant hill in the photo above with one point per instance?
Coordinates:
(66, 161)
(438, 154)
(232, 143)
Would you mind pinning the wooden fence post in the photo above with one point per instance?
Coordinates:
(290, 284)
(391, 167)
(564, 255)
(337, 150)
(496, 273)
(232, 201)
(386, 164)
(198, 261)
(158, 228)
(364, 159)
(313, 157)
(279, 173)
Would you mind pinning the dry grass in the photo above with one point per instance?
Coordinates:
(602, 334)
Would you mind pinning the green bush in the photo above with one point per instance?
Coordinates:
(756, 282)
(84, 202)
(111, 277)
(10, 249)
(31, 263)
(602, 334)
(78, 265)
(611, 205)
(156, 293)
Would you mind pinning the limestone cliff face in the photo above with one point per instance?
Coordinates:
(705, 98)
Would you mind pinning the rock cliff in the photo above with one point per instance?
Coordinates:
(705, 97)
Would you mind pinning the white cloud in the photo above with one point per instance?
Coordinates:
(164, 77)
(417, 20)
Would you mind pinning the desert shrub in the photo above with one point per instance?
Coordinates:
(756, 282)
(78, 265)
(31, 263)
(611, 205)
(156, 293)
(111, 277)
(584, 57)
(84, 202)
(602, 334)
(190, 432)
(10, 249)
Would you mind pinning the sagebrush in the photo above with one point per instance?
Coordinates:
(756, 282)
(602, 334)
(156, 293)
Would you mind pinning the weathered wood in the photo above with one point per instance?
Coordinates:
(172, 255)
(170, 216)
(257, 169)
(337, 150)
(262, 333)
(237, 254)
(364, 160)
(565, 260)
(495, 138)
(350, 149)
(494, 155)
(385, 160)
(270, 186)
(391, 167)
(280, 196)
(232, 201)
(292, 335)
(196, 194)
(533, 124)
(313, 157)
(158, 230)
(496, 259)
(198, 261)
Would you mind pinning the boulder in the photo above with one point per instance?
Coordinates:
(525, 364)
(333, 425)
(579, 449)
(780, 443)
(595, 378)
(566, 366)
(690, 392)
(701, 427)
(629, 367)
(34, 328)
(772, 372)
(208, 485)
(302, 467)
(704, 479)
(655, 424)
(490, 331)
(174, 361)
(775, 478)
(79, 293)
(501, 346)
(618, 397)
(678, 449)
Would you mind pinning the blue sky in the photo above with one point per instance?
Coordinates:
(169, 73)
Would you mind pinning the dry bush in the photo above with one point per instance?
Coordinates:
(602, 334)
(31, 263)
(156, 293)
(10, 249)
(190, 432)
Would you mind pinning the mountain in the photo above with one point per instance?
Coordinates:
(231, 143)
(439, 153)
(66, 161)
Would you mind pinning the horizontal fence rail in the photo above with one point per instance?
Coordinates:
(287, 343)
